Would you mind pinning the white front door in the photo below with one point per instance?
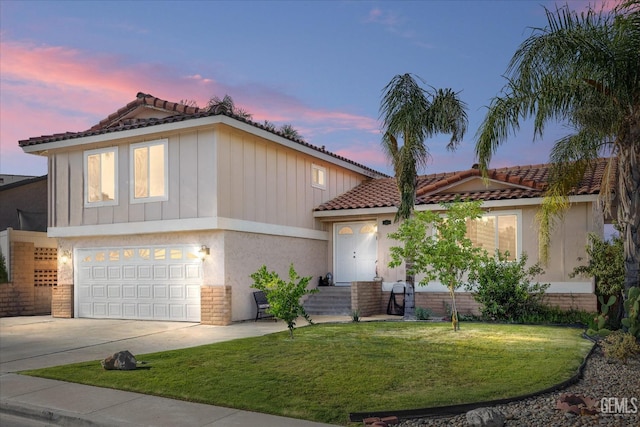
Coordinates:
(144, 282)
(356, 249)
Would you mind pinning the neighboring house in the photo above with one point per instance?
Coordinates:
(23, 203)
(140, 198)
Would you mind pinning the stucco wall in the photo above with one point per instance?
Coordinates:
(245, 253)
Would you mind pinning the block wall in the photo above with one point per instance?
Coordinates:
(215, 305)
(366, 298)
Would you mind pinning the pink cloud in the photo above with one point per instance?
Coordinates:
(53, 89)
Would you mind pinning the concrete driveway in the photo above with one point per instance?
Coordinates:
(44, 341)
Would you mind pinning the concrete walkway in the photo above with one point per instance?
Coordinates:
(44, 341)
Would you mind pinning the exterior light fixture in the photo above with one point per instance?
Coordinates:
(65, 257)
(204, 252)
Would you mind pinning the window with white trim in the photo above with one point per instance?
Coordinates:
(100, 173)
(495, 231)
(318, 177)
(149, 171)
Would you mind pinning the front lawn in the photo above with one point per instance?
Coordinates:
(329, 370)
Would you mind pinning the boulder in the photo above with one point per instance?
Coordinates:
(485, 417)
(122, 360)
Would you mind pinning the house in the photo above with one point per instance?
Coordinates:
(511, 198)
(162, 211)
(30, 257)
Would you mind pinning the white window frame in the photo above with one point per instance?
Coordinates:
(518, 215)
(317, 170)
(86, 155)
(132, 182)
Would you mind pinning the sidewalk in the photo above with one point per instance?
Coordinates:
(43, 341)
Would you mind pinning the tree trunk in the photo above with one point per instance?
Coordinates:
(628, 198)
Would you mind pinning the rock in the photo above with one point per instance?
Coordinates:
(122, 360)
(485, 417)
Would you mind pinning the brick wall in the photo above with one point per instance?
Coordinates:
(366, 297)
(34, 275)
(587, 302)
(62, 301)
(215, 305)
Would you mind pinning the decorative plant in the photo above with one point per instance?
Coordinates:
(4, 276)
(423, 313)
(601, 319)
(447, 254)
(505, 289)
(620, 345)
(355, 315)
(632, 308)
(284, 297)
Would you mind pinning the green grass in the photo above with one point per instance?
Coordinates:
(329, 370)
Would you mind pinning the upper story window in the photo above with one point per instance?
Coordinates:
(318, 177)
(149, 176)
(495, 231)
(101, 172)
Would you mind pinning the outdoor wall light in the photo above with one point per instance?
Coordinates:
(204, 252)
(65, 257)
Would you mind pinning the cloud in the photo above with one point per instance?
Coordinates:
(53, 89)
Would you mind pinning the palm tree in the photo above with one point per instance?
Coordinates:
(227, 104)
(410, 115)
(583, 69)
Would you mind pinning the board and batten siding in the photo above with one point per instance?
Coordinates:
(264, 182)
(214, 171)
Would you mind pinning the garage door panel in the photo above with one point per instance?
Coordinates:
(129, 291)
(151, 283)
(160, 292)
(192, 272)
(129, 272)
(176, 292)
(113, 291)
(129, 310)
(176, 272)
(115, 309)
(99, 273)
(144, 272)
(160, 272)
(98, 290)
(114, 273)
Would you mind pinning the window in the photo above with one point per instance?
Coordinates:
(101, 171)
(318, 177)
(495, 231)
(149, 171)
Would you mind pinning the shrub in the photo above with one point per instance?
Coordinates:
(620, 345)
(505, 290)
(4, 275)
(284, 297)
(423, 313)
(355, 315)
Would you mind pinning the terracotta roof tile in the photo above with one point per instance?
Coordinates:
(526, 182)
(118, 122)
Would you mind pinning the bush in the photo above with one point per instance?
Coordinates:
(4, 275)
(423, 313)
(620, 345)
(505, 290)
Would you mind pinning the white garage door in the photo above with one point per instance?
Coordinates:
(148, 283)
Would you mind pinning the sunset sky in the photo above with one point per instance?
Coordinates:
(319, 66)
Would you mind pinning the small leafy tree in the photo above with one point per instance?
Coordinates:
(284, 297)
(505, 289)
(445, 255)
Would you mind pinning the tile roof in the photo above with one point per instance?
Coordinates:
(119, 121)
(522, 182)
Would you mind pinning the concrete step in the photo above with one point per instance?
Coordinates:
(330, 300)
